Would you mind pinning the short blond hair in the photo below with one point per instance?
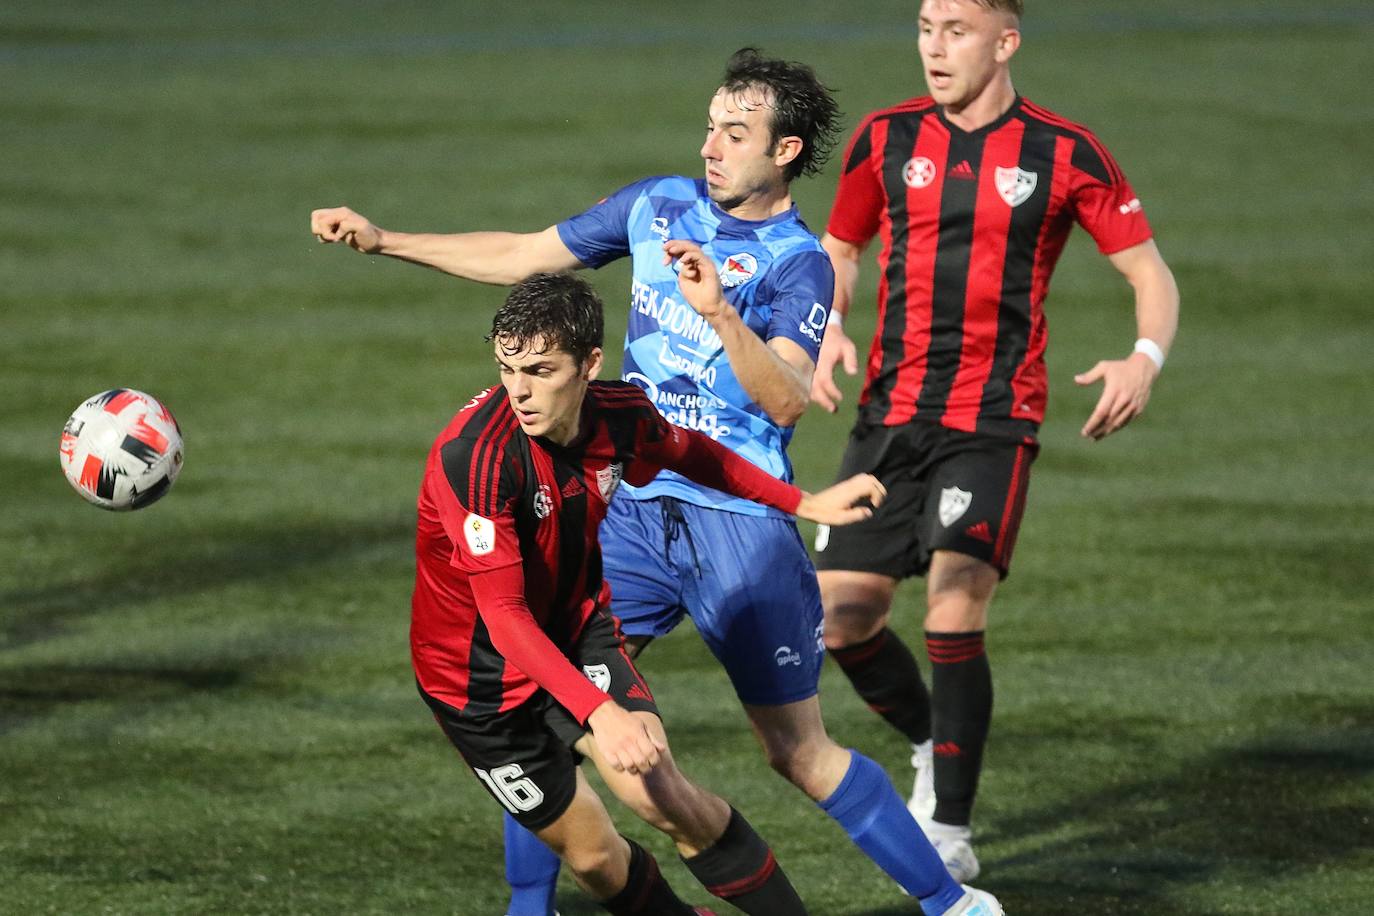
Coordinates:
(1014, 7)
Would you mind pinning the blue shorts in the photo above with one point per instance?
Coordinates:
(746, 581)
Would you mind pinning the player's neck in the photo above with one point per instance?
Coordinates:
(984, 108)
(764, 205)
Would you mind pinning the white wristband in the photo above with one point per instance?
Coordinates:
(1151, 349)
(834, 318)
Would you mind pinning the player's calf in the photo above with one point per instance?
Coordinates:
(739, 867)
(645, 893)
(717, 844)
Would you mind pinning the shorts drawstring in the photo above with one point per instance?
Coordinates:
(675, 526)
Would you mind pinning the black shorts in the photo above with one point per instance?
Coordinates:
(524, 757)
(946, 490)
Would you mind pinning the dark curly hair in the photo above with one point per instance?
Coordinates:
(802, 105)
(562, 309)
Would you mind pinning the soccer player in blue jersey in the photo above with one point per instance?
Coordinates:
(729, 301)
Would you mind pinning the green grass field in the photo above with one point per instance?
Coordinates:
(207, 707)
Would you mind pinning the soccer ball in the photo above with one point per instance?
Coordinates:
(121, 449)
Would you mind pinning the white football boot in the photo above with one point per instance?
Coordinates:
(976, 903)
(922, 803)
(954, 844)
(955, 848)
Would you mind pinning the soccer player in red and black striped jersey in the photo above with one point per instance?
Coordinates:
(512, 641)
(972, 190)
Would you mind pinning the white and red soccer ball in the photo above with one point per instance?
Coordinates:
(121, 449)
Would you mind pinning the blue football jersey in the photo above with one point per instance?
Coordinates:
(775, 274)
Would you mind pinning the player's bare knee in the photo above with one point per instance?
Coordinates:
(955, 613)
(793, 760)
(849, 625)
(853, 616)
(816, 769)
(857, 607)
(592, 864)
(782, 759)
(958, 592)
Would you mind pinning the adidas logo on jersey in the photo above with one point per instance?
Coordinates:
(573, 488)
(963, 170)
(979, 532)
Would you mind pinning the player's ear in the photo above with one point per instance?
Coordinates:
(1007, 44)
(788, 148)
(591, 366)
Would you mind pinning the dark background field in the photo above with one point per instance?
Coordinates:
(207, 706)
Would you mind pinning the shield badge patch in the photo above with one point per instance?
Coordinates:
(1016, 185)
(954, 502)
(600, 675)
(737, 269)
(608, 478)
(543, 501)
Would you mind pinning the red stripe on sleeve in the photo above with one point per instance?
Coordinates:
(858, 205)
(485, 477)
(500, 599)
(699, 458)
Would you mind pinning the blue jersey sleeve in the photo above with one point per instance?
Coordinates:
(601, 234)
(800, 291)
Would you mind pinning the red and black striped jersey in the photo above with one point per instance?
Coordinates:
(508, 567)
(972, 224)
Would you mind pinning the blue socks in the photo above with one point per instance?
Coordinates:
(871, 812)
(531, 871)
(865, 805)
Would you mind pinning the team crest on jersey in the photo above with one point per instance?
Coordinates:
(608, 478)
(954, 502)
(918, 172)
(543, 501)
(480, 534)
(1016, 185)
(600, 675)
(737, 269)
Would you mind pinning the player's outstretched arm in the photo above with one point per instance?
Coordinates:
(622, 739)
(707, 462)
(845, 503)
(487, 257)
(1126, 383)
(340, 225)
(836, 347)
